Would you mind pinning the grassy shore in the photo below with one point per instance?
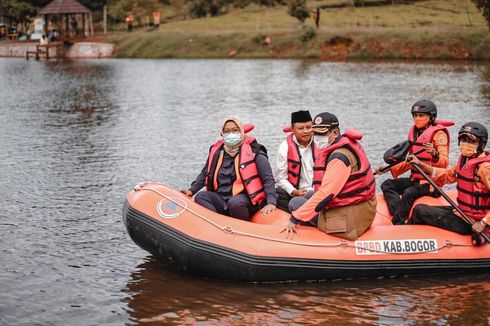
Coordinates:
(436, 29)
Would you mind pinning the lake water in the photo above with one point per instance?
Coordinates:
(75, 137)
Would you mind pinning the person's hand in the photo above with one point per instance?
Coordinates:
(290, 230)
(478, 227)
(186, 192)
(380, 170)
(299, 193)
(413, 159)
(429, 148)
(268, 209)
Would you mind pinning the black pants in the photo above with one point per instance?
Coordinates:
(238, 206)
(283, 199)
(409, 190)
(440, 216)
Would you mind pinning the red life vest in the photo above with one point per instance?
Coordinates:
(294, 161)
(426, 137)
(247, 175)
(360, 185)
(475, 202)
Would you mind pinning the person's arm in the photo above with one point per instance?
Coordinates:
(200, 180)
(265, 173)
(336, 174)
(281, 169)
(399, 169)
(441, 176)
(440, 149)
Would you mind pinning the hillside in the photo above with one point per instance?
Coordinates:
(435, 29)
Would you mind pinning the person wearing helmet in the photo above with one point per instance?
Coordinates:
(344, 201)
(472, 176)
(430, 143)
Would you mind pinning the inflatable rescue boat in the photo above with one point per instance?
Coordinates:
(176, 230)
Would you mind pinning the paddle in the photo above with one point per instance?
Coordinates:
(449, 200)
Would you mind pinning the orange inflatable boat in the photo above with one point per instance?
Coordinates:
(172, 227)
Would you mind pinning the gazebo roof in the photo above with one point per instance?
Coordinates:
(57, 7)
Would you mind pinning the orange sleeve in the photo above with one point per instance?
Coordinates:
(336, 175)
(441, 144)
(484, 175)
(399, 169)
(443, 176)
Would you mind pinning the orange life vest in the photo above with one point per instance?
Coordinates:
(475, 202)
(247, 175)
(294, 161)
(361, 185)
(426, 137)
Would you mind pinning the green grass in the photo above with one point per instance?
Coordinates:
(435, 29)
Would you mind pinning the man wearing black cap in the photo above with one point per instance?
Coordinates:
(344, 200)
(294, 160)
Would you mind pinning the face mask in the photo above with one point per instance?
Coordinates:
(421, 122)
(468, 149)
(232, 138)
(321, 141)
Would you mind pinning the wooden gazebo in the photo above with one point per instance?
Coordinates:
(68, 10)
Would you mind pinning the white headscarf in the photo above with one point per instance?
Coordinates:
(233, 150)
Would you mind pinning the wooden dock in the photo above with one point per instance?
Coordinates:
(43, 51)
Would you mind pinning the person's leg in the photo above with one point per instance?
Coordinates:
(241, 207)
(409, 196)
(440, 216)
(211, 201)
(283, 199)
(392, 189)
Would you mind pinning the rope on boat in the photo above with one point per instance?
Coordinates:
(341, 243)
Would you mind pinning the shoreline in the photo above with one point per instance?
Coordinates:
(325, 46)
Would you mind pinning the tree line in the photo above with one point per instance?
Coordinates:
(24, 11)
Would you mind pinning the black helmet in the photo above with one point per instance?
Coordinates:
(475, 131)
(425, 106)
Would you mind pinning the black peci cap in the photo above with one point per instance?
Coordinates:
(300, 116)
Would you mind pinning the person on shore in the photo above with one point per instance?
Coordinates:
(294, 160)
(43, 40)
(344, 200)
(426, 133)
(129, 22)
(472, 176)
(237, 175)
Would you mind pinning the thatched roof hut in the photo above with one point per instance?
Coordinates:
(68, 10)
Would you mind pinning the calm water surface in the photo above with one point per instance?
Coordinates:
(76, 136)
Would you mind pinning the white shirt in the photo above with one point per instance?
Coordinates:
(281, 168)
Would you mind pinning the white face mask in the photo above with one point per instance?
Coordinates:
(321, 141)
(232, 138)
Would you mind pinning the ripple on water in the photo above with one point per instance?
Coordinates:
(76, 136)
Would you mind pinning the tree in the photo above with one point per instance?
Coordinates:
(484, 6)
(17, 11)
(298, 9)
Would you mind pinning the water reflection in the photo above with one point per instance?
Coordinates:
(157, 293)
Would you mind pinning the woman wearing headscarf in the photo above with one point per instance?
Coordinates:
(237, 175)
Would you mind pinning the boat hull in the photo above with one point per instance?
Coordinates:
(220, 247)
